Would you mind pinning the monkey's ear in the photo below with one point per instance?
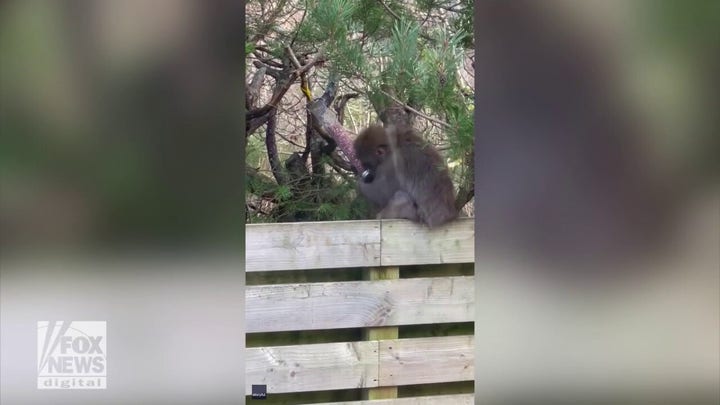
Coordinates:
(381, 150)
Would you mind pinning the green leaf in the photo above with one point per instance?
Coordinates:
(249, 48)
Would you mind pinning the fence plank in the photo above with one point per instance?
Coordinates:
(344, 244)
(406, 243)
(312, 245)
(328, 366)
(457, 399)
(426, 360)
(349, 365)
(356, 304)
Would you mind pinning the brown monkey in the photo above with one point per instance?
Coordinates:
(404, 176)
(378, 183)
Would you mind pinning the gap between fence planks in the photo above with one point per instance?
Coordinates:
(344, 244)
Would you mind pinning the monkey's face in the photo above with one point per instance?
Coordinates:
(371, 161)
(372, 149)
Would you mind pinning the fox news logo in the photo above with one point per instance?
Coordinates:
(72, 355)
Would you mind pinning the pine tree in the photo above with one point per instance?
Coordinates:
(366, 61)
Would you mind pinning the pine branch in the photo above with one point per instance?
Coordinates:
(427, 117)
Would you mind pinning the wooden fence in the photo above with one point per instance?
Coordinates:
(380, 304)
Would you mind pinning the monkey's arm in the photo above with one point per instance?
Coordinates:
(400, 206)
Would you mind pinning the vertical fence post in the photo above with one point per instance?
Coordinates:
(382, 332)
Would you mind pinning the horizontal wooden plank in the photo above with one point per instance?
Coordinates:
(354, 304)
(457, 399)
(344, 244)
(312, 245)
(406, 243)
(349, 365)
(328, 366)
(426, 360)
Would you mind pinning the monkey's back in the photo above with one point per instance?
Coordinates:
(431, 188)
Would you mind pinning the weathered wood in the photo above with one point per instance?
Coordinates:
(458, 399)
(406, 243)
(426, 360)
(383, 332)
(343, 244)
(312, 245)
(335, 366)
(379, 304)
(357, 304)
(329, 366)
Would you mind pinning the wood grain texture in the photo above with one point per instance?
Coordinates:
(344, 244)
(426, 360)
(357, 304)
(381, 332)
(406, 243)
(457, 399)
(312, 245)
(328, 366)
(350, 365)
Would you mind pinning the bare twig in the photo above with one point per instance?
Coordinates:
(427, 117)
(293, 58)
(286, 139)
(253, 89)
(302, 19)
(397, 18)
(386, 7)
(339, 105)
(271, 147)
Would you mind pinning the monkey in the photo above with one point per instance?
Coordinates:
(401, 206)
(404, 176)
(378, 182)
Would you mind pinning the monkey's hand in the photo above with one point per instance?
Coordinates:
(400, 206)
